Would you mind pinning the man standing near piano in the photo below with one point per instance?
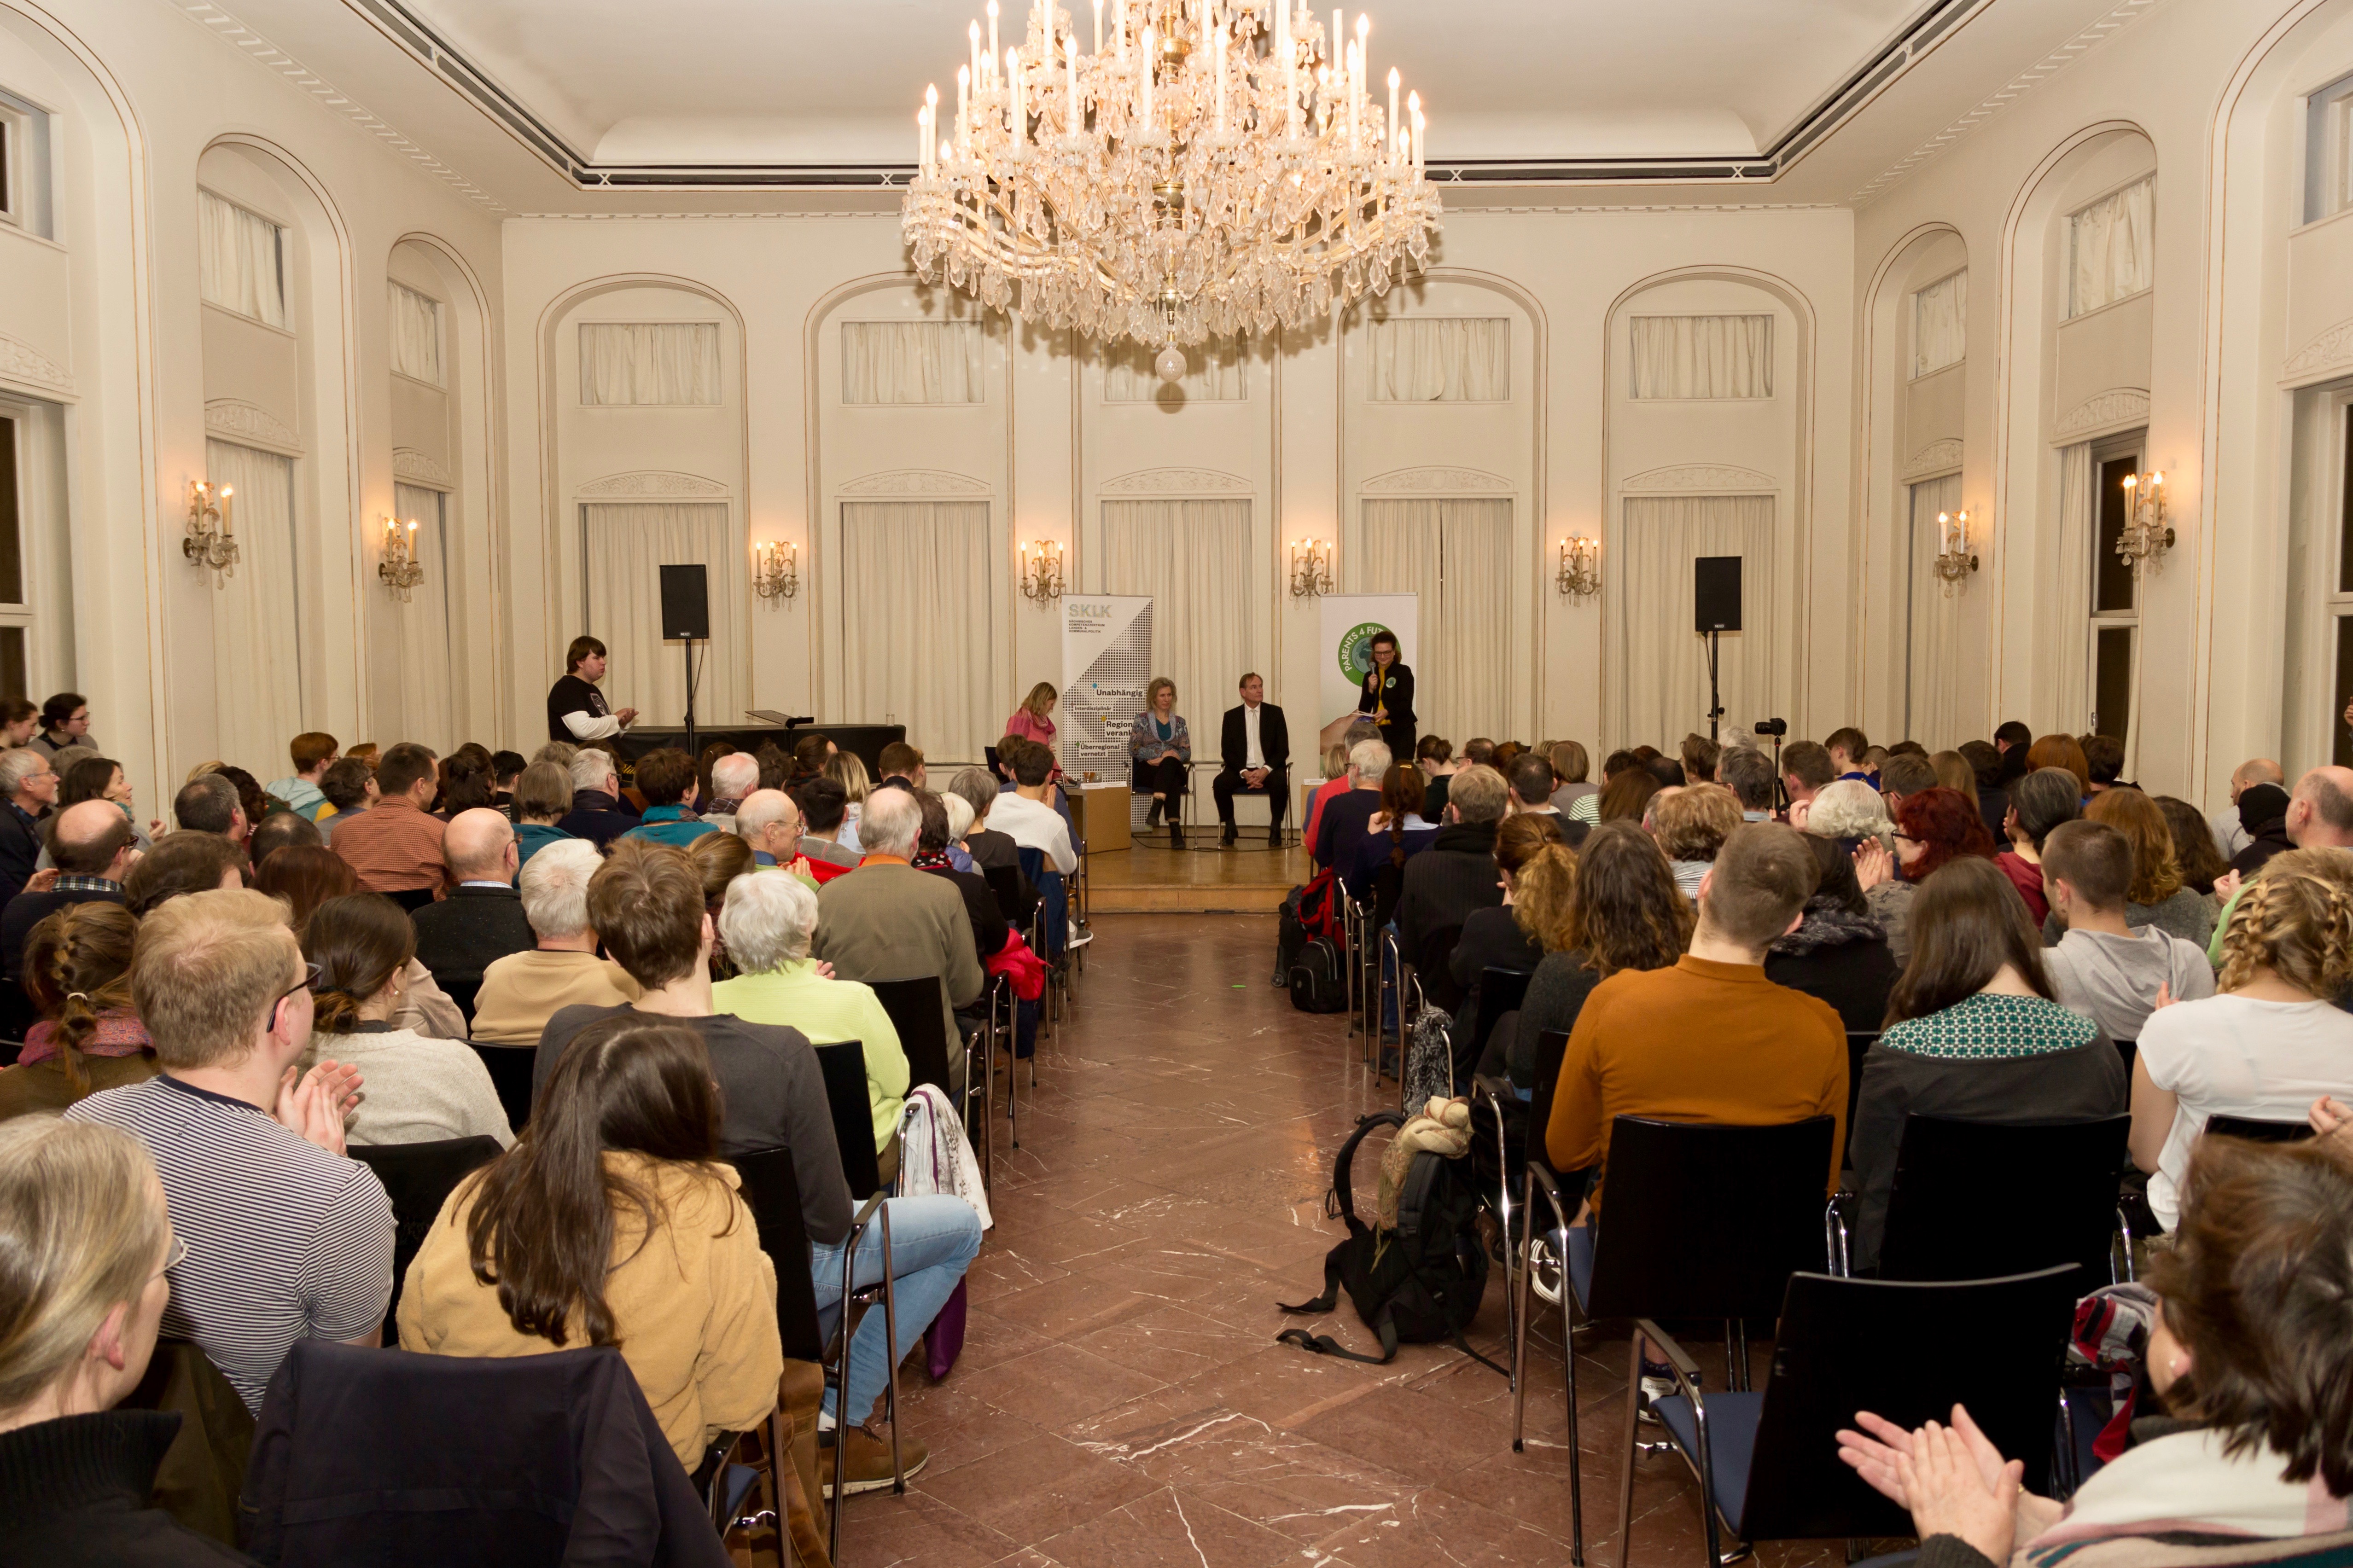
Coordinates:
(576, 710)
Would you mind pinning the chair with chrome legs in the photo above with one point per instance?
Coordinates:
(774, 1195)
(1767, 1464)
(1702, 1221)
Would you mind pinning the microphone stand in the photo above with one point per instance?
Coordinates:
(1714, 697)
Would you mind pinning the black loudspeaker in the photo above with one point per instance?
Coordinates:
(686, 602)
(1716, 593)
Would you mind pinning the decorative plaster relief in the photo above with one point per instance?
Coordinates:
(234, 420)
(22, 361)
(1175, 481)
(1699, 477)
(2330, 352)
(1936, 458)
(652, 482)
(914, 482)
(1437, 481)
(417, 467)
(2119, 409)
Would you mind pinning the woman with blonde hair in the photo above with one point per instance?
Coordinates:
(2159, 894)
(1033, 721)
(86, 1249)
(78, 973)
(2270, 1041)
(1691, 824)
(845, 769)
(1954, 773)
(1539, 871)
(1160, 754)
(1495, 938)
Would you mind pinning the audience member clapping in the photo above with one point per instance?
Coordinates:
(88, 1037)
(521, 992)
(27, 786)
(612, 1222)
(1806, 769)
(769, 823)
(1838, 952)
(1933, 829)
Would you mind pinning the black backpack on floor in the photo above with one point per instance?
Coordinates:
(1319, 977)
(1419, 1282)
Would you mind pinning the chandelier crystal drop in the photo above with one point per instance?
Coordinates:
(1209, 168)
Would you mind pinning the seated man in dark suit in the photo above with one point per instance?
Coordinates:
(482, 919)
(1256, 750)
(94, 849)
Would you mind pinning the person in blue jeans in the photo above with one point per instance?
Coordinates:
(933, 1240)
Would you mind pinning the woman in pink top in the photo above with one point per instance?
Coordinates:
(1030, 720)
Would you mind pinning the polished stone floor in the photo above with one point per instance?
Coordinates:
(1121, 1399)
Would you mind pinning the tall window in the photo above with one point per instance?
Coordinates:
(2110, 254)
(1933, 679)
(424, 620)
(2115, 596)
(256, 626)
(240, 260)
(416, 334)
(1940, 323)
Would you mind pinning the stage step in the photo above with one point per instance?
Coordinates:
(1248, 879)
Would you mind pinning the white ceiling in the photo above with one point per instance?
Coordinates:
(788, 82)
(770, 89)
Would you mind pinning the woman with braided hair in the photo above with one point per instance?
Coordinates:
(78, 973)
(2272, 1041)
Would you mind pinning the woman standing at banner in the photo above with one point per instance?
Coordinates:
(1033, 721)
(1388, 695)
(1161, 753)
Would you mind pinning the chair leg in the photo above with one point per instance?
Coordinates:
(1519, 1288)
(891, 1339)
(1575, 1447)
(1633, 1411)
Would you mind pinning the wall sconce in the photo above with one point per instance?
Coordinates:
(1311, 568)
(1955, 560)
(1581, 567)
(2144, 535)
(776, 574)
(211, 540)
(1041, 570)
(400, 569)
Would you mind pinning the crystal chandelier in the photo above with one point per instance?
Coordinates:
(1212, 167)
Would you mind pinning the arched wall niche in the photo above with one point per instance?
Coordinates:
(1772, 436)
(584, 443)
(2051, 367)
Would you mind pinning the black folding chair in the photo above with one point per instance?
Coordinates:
(1976, 1200)
(1703, 1221)
(1435, 963)
(773, 1194)
(511, 1068)
(1501, 991)
(842, 1063)
(2255, 1132)
(1858, 1046)
(418, 1178)
(1768, 1463)
(914, 1009)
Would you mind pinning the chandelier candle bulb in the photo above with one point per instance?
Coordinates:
(1144, 86)
(1078, 115)
(1098, 26)
(992, 34)
(1119, 27)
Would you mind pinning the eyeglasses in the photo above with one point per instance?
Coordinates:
(174, 1256)
(311, 974)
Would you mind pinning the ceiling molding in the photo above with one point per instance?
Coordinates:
(2041, 71)
(2102, 414)
(420, 469)
(1436, 482)
(2323, 358)
(1698, 479)
(915, 482)
(1175, 482)
(653, 482)
(1936, 458)
(251, 425)
(233, 31)
(21, 361)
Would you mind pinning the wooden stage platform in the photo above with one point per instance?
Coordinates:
(1249, 878)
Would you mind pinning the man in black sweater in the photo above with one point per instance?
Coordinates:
(482, 921)
(1457, 873)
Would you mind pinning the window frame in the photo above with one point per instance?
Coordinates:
(2328, 148)
(2133, 446)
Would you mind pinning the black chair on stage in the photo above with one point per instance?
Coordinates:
(418, 1178)
(1976, 1200)
(1700, 1221)
(1768, 1463)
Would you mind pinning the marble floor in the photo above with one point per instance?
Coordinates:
(1121, 1400)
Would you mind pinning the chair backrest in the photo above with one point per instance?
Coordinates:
(1909, 1352)
(1979, 1200)
(1501, 991)
(1551, 1050)
(1858, 1046)
(1434, 967)
(1004, 882)
(418, 1178)
(774, 1195)
(462, 990)
(843, 1065)
(914, 1009)
(2256, 1132)
(1700, 1220)
(510, 1070)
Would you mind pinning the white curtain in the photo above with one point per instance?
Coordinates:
(1940, 320)
(240, 260)
(915, 604)
(428, 713)
(1193, 558)
(649, 362)
(256, 643)
(1443, 359)
(2064, 692)
(1933, 691)
(1703, 356)
(626, 547)
(1214, 373)
(912, 361)
(1662, 662)
(1456, 554)
(416, 334)
(2109, 245)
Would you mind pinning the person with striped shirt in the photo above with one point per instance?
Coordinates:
(287, 1238)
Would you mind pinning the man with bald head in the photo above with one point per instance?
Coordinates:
(2231, 834)
(93, 848)
(2319, 817)
(482, 919)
